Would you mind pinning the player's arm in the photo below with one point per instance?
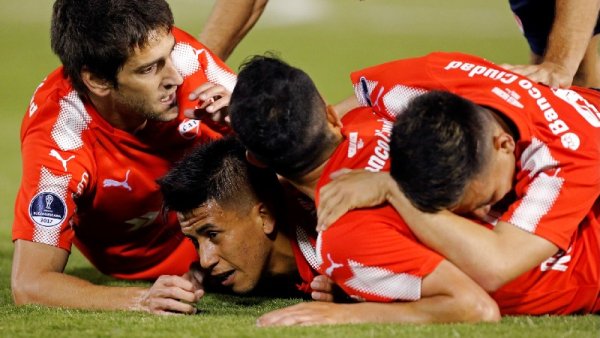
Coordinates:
(228, 23)
(572, 29)
(491, 258)
(448, 295)
(346, 105)
(37, 278)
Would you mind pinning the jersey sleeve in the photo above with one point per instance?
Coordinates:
(555, 189)
(55, 171)
(198, 65)
(372, 257)
(389, 87)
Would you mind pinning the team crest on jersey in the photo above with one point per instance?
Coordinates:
(189, 128)
(47, 209)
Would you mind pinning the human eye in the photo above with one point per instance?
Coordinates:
(148, 69)
(212, 234)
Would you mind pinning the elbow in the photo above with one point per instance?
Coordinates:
(24, 292)
(20, 295)
(486, 310)
(478, 308)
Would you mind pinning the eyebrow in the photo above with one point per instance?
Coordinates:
(204, 228)
(150, 63)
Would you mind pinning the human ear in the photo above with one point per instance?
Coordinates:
(333, 117)
(268, 222)
(95, 84)
(504, 142)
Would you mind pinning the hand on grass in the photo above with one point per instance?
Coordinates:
(322, 288)
(310, 313)
(173, 295)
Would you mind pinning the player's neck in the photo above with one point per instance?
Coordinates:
(109, 111)
(307, 184)
(283, 261)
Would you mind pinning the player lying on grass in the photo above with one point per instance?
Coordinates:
(252, 233)
(371, 253)
(522, 158)
(98, 132)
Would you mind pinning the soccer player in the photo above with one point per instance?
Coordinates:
(563, 38)
(247, 227)
(228, 24)
(371, 254)
(482, 142)
(98, 132)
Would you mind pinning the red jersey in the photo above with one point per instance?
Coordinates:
(87, 183)
(371, 253)
(557, 181)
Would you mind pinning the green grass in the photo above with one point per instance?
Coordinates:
(340, 36)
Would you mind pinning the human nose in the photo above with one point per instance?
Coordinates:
(208, 255)
(172, 76)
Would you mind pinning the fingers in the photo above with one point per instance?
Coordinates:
(321, 296)
(174, 287)
(171, 294)
(214, 99)
(167, 306)
(322, 289)
(548, 73)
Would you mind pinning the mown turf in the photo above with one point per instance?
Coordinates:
(331, 39)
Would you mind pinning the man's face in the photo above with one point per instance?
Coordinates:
(489, 187)
(233, 246)
(148, 81)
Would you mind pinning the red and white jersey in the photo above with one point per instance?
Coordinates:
(87, 183)
(558, 162)
(371, 253)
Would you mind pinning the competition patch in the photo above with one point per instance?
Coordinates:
(47, 209)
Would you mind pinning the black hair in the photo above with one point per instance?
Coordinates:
(218, 171)
(101, 34)
(439, 143)
(280, 116)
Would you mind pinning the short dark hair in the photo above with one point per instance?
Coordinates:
(218, 171)
(101, 34)
(439, 143)
(280, 116)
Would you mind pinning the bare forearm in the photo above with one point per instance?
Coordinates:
(571, 32)
(228, 23)
(439, 309)
(490, 257)
(60, 290)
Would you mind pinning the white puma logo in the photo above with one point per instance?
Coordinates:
(113, 183)
(57, 156)
(332, 267)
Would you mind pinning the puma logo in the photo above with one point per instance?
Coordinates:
(332, 267)
(57, 156)
(113, 183)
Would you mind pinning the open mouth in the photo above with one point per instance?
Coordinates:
(224, 278)
(169, 99)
